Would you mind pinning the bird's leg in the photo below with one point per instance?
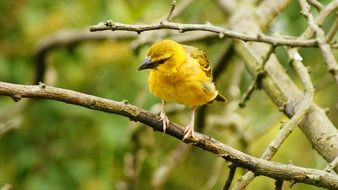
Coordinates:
(189, 129)
(164, 117)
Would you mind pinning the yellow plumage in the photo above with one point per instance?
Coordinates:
(181, 74)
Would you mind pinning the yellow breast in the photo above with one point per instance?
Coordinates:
(187, 84)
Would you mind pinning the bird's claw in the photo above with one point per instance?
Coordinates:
(188, 132)
(165, 121)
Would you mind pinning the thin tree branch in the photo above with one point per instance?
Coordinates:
(332, 31)
(256, 82)
(231, 176)
(279, 184)
(332, 165)
(328, 9)
(173, 5)
(286, 130)
(316, 4)
(68, 38)
(329, 58)
(259, 166)
(317, 127)
(180, 7)
(155, 35)
(222, 32)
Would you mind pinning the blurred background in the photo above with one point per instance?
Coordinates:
(52, 145)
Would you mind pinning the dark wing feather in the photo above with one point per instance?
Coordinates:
(201, 58)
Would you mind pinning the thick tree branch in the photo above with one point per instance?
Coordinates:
(304, 108)
(317, 127)
(258, 166)
(222, 32)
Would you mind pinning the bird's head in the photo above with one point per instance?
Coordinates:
(164, 55)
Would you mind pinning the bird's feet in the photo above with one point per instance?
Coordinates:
(164, 120)
(188, 131)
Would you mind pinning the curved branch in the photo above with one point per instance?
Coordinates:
(316, 126)
(67, 38)
(256, 165)
(222, 32)
(304, 108)
(328, 56)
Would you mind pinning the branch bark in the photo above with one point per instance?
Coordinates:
(222, 32)
(319, 130)
(256, 165)
(328, 56)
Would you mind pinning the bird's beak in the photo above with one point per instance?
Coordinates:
(147, 64)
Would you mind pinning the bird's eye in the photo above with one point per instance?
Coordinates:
(161, 61)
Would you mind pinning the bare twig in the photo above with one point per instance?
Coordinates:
(316, 4)
(231, 176)
(332, 165)
(328, 9)
(259, 37)
(333, 31)
(155, 35)
(173, 5)
(180, 7)
(329, 58)
(317, 127)
(256, 82)
(303, 109)
(259, 166)
(279, 184)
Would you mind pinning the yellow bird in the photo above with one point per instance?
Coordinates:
(182, 74)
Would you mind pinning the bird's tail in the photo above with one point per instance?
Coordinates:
(220, 98)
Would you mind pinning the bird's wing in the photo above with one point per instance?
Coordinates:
(201, 58)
